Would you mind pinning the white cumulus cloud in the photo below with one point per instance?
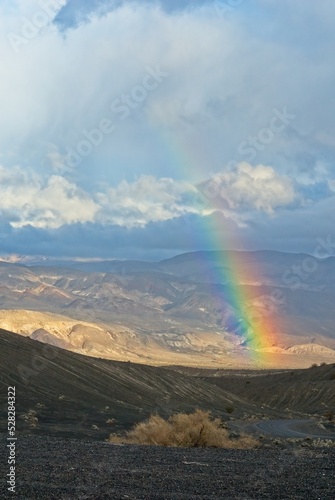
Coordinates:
(146, 200)
(27, 199)
(248, 187)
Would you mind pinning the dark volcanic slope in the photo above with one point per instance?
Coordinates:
(63, 469)
(75, 395)
(311, 390)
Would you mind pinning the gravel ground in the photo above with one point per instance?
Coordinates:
(56, 468)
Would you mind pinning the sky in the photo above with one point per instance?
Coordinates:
(144, 129)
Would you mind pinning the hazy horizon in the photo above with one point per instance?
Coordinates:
(22, 258)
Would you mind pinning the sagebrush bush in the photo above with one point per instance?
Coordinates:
(197, 429)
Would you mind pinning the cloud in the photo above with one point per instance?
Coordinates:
(26, 199)
(226, 74)
(162, 239)
(221, 88)
(78, 11)
(245, 188)
(155, 241)
(57, 161)
(146, 200)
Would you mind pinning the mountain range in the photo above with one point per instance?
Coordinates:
(177, 311)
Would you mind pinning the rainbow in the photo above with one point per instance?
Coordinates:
(253, 315)
(252, 318)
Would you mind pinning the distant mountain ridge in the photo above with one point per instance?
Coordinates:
(185, 295)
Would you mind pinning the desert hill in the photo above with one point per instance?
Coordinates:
(117, 342)
(311, 390)
(64, 393)
(182, 307)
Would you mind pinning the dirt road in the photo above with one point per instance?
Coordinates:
(295, 428)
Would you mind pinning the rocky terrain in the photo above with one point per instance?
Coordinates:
(68, 404)
(118, 342)
(176, 311)
(65, 469)
(93, 351)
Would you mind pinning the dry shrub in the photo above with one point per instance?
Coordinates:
(197, 429)
(30, 417)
